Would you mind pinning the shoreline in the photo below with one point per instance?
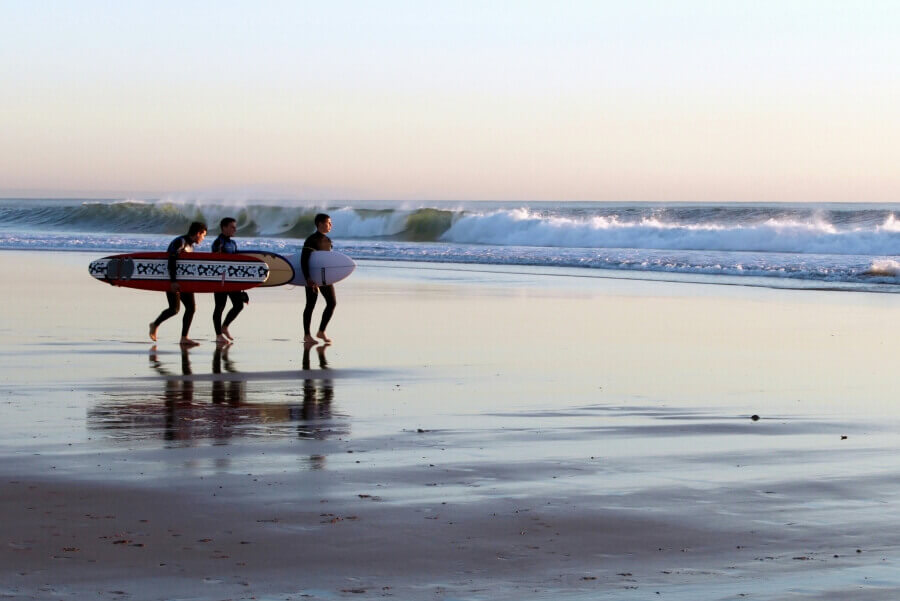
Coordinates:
(876, 283)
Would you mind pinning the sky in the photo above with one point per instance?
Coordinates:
(469, 100)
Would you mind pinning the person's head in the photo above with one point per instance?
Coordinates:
(228, 226)
(197, 232)
(323, 223)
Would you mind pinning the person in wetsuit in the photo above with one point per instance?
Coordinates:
(225, 244)
(181, 244)
(318, 241)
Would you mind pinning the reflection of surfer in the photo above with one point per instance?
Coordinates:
(317, 398)
(178, 396)
(183, 416)
(175, 389)
(320, 350)
(231, 392)
(186, 420)
(225, 244)
(181, 244)
(318, 241)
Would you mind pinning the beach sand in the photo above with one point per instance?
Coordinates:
(472, 433)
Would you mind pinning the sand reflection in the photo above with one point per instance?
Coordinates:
(223, 403)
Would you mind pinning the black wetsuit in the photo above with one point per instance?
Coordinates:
(317, 241)
(176, 247)
(224, 244)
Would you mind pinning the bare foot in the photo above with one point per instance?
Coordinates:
(321, 336)
(153, 328)
(226, 333)
(187, 342)
(309, 340)
(221, 340)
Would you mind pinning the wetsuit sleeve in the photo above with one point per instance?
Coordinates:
(217, 245)
(174, 250)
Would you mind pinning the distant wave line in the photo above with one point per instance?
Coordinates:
(865, 231)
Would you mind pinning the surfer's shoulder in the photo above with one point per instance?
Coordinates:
(178, 244)
(314, 241)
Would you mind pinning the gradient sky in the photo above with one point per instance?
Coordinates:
(555, 100)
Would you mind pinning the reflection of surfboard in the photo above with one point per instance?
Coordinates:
(196, 272)
(325, 267)
(280, 269)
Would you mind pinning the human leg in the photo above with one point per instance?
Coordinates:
(172, 309)
(312, 294)
(237, 305)
(187, 299)
(220, 298)
(330, 303)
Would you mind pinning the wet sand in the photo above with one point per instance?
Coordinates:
(471, 434)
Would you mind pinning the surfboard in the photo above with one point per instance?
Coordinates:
(280, 269)
(325, 267)
(196, 272)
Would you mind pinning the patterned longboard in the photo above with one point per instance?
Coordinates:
(281, 271)
(195, 272)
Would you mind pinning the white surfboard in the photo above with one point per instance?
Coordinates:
(325, 267)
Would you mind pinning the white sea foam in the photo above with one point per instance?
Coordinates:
(884, 267)
(350, 223)
(523, 227)
(891, 225)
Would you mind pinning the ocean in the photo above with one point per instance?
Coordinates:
(819, 246)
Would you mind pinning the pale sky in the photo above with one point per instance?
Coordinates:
(420, 100)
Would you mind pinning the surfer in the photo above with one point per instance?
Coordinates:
(181, 244)
(225, 244)
(318, 241)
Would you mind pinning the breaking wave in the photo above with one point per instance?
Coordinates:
(826, 243)
(873, 231)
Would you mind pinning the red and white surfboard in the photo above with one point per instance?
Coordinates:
(195, 272)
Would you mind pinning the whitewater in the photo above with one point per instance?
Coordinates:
(843, 246)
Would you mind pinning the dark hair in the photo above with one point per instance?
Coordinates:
(196, 228)
(321, 218)
(226, 221)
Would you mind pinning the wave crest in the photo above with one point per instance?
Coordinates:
(789, 235)
(865, 231)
